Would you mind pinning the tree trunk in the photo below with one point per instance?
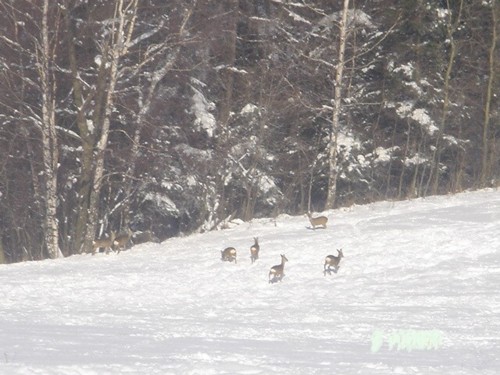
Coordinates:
(486, 153)
(337, 103)
(123, 26)
(2, 253)
(49, 140)
(228, 71)
(226, 105)
(79, 227)
(436, 159)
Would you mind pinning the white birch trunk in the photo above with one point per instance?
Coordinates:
(487, 154)
(337, 103)
(49, 141)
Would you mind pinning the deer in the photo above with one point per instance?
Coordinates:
(316, 221)
(332, 260)
(104, 243)
(228, 255)
(277, 271)
(254, 250)
(122, 239)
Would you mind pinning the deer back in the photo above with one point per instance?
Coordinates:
(255, 247)
(333, 260)
(278, 269)
(229, 253)
(122, 239)
(320, 220)
(104, 242)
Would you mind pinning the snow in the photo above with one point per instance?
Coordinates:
(417, 293)
(420, 115)
(90, 125)
(297, 17)
(355, 17)
(384, 155)
(406, 69)
(162, 201)
(187, 150)
(416, 159)
(404, 108)
(249, 109)
(202, 108)
(442, 13)
(347, 142)
(230, 68)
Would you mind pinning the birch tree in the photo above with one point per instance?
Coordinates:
(30, 71)
(93, 95)
(337, 106)
(45, 63)
(132, 56)
(488, 139)
(114, 48)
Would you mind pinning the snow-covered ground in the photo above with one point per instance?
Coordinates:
(417, 293)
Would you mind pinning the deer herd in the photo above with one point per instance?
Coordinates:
(119, 241)
(115, 242)
(277, 272)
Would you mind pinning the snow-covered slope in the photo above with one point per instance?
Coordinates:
(417, 293)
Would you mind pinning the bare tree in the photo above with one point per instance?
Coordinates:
(95, 108)
(116, 46)
(487, 154)
(45, 60)
(337, 104)
(451, 27)
(35, 46)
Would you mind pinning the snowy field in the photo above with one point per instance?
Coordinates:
(418, 292)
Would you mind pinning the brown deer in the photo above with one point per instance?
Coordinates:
(332, 260)
(316, 221)
(254, 250)
(104, 243)
(121, 240)
(278, 271)
(228, 255)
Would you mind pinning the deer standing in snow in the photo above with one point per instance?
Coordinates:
(316, 221)
(103, 243)
(278, 271)
(228, 254)
(332, 260)
(254, 250)
(122, 240)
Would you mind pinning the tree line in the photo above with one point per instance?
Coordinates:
(174, 117)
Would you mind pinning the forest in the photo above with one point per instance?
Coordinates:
(172, 117)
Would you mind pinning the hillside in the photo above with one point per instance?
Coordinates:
(426, 270)
(205, 110)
